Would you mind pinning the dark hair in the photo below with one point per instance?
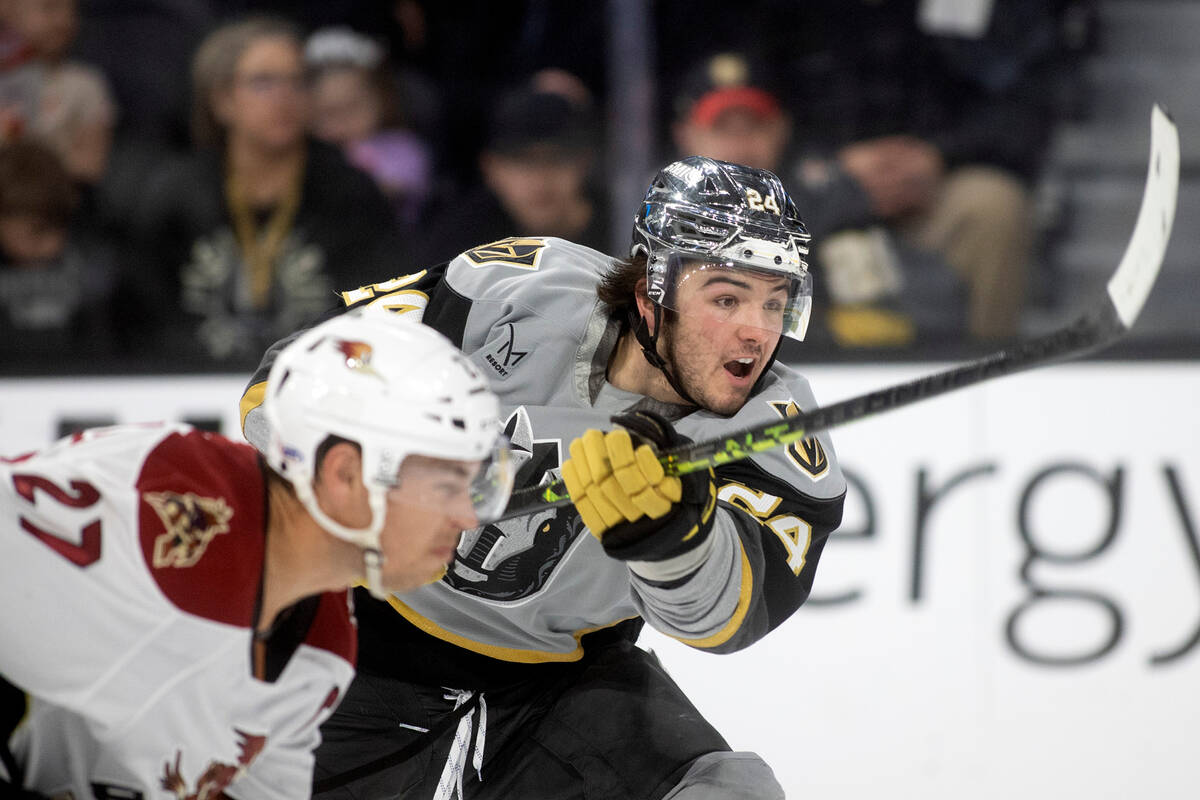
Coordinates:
(618, 286)
(274, 476)
(34, 181)
(328, 443)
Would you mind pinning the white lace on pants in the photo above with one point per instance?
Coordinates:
(450, 784)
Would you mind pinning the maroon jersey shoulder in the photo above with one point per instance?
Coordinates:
(334, 629)
(201, 522)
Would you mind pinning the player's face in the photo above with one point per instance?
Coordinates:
(726, 328)
(426, 512)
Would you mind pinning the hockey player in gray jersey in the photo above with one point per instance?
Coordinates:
(517, 675)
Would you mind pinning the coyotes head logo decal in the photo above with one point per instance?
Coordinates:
(191, 522)
(358, 354)
(218, 775)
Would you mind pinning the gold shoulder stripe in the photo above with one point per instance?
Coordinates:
(252, 399)
(739, 613)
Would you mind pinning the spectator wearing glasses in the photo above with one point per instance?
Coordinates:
(247, 236)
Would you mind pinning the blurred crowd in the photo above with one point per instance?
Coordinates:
(183, 182)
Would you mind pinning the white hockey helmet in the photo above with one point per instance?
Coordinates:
(396, 388)
(703, 211)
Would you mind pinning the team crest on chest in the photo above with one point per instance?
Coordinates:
(510, 252)
(807, 454)
(191, 522)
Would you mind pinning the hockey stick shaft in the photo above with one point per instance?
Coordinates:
(1099, 327)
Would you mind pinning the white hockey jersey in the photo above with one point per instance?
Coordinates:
(530, 591)
(130, 568)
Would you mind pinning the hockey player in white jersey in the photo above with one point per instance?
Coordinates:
(175, 606)
(533, 627)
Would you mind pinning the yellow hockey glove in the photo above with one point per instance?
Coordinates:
(625, 498)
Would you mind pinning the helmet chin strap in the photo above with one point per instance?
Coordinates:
(762, 376)
(373, 561)
(649, 343)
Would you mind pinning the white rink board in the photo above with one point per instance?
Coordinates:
(882, 694)
(886, 696)
(32, 408)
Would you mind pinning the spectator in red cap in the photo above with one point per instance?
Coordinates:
(727, 113)
(919, 233)
(729, 108)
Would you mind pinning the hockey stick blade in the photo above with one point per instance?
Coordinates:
(1097, 328)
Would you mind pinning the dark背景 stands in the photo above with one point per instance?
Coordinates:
(56, 272)
(47, 93)
(922, 136)
(356, 106)
(249, 235)
(536, 168)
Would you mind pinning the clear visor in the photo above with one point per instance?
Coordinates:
(727, 291)
(468, 491)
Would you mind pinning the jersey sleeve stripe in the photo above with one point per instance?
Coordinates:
(739, 613)
(252, 398)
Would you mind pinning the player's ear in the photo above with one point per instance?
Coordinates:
(645, 305)
(340, 470)
(339, 485)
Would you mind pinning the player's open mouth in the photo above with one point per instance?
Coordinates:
(739, 367)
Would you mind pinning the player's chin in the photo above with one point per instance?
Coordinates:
(726, 402)
(415, 577)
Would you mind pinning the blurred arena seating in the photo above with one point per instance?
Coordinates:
(1144, 52)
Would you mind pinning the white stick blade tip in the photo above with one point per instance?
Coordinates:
(1130, 285)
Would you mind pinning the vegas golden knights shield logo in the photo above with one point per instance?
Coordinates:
(511, 252)
(191, 522)
(807, 454)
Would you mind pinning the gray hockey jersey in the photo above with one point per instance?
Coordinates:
(531, 590)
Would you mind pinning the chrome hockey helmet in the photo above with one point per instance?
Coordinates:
(396, 388)
(703, 211)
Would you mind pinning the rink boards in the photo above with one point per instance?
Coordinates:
(1011, 608)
